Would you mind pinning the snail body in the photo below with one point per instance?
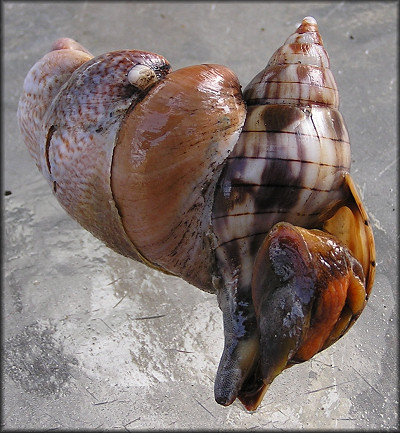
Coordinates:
(246, 196)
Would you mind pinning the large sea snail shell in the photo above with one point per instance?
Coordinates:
(246, 196)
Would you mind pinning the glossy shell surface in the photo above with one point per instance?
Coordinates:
(183, 172)
(170, 151)
(291, 164)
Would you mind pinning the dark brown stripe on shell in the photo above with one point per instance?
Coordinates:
(270, 158)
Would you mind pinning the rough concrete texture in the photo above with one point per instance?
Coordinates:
(95, 341)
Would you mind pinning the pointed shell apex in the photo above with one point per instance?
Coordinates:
(308, 24)
(310, 20)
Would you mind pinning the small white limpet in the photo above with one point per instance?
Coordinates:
(142, 76)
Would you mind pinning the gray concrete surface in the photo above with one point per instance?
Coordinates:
(77, 352)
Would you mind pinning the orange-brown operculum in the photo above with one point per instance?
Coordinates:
(304, 281)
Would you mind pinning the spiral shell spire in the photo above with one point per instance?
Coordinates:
(297, 73)
(290, 164)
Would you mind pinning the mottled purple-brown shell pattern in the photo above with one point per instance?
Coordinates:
(256, 202)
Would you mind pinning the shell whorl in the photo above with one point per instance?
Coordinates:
(70, 114)
(138, 176)
(41, 85)
(297, 74)
(167, 161)
(293, 152)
